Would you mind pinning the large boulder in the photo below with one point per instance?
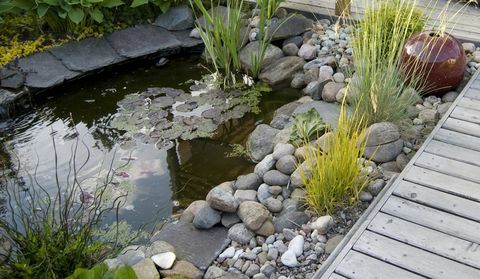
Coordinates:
(253, 214)
(383, 142)
(272, 53)
(329, 112)
(281, 70)
(260, 142)
(240, 233)
(206, 218)
(176, 18)
(289, 27)
(221, 199)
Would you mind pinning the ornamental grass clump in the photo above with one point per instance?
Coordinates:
(377, 86)
(333, 178)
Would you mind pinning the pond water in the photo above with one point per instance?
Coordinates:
(161, 181)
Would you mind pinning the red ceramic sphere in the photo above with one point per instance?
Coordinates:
(443, 57)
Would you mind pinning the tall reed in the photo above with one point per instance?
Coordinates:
(221, 35)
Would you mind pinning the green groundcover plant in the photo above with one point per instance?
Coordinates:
(52, 232)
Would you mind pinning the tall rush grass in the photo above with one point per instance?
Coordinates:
(333, 178)
(222, 37)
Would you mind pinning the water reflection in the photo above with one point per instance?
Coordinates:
(154, 178)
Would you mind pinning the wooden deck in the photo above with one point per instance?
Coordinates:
(465, 26)
(427, 223)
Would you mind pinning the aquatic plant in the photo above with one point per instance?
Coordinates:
(53, 231)
(306, 127)
(267, 10)
(238, 150)
(101, 271)
(221, 35)
(334, 176)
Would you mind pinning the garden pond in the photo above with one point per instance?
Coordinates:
(159, 180)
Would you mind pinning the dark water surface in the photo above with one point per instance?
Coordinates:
(156, 178)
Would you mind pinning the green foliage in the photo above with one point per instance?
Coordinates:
(221, 36)
(377, 85)
(332, 174)
(53, 231)
(308, 126)
(250, 95)
(63, 15)
(164, 5)
(390, 14)
(267, 9)
(238, 150)
(100, 271)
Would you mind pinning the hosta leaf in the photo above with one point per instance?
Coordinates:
(97, 15)
(5, 7)
(112, 3)
(164, 5)
(137, 3)
(23, 4)
(76, 15)
(51, 2)
(42, 9)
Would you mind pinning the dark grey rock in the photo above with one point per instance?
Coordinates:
(272, 53)
(287, 164)
(273, 204)
(265, 165)
(43, 70)
(222, 200)
(176, 18)
(200, 247)
(245, 195)
(239, 233)
(332, 243)
(319, 62)
(376, 186)
(382, 133)
(262, 193)
(11, 78)
(385, 152)
(249, 181)
(253, 214)
(185, 39)
(296, 40)
(275, 177)
(260, 142)
(206, 218)
(365, 196)
(142, 40)
(281, 70)
(290, 220)
(290, 49)
(230, 219)
(290, 26)
(87, 55)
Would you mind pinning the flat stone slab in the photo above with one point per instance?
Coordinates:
(43, 70)
(200, 247)
(185, 39)
(329, 112)
(87, 55)
(142, 40)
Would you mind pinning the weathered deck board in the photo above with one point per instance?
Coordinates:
(411, 258)
(428, 221)
(464, 25)
(462, 126)
(454, 152)
(439, 200)
(427, 239)
(449, 167)
(358, 265)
